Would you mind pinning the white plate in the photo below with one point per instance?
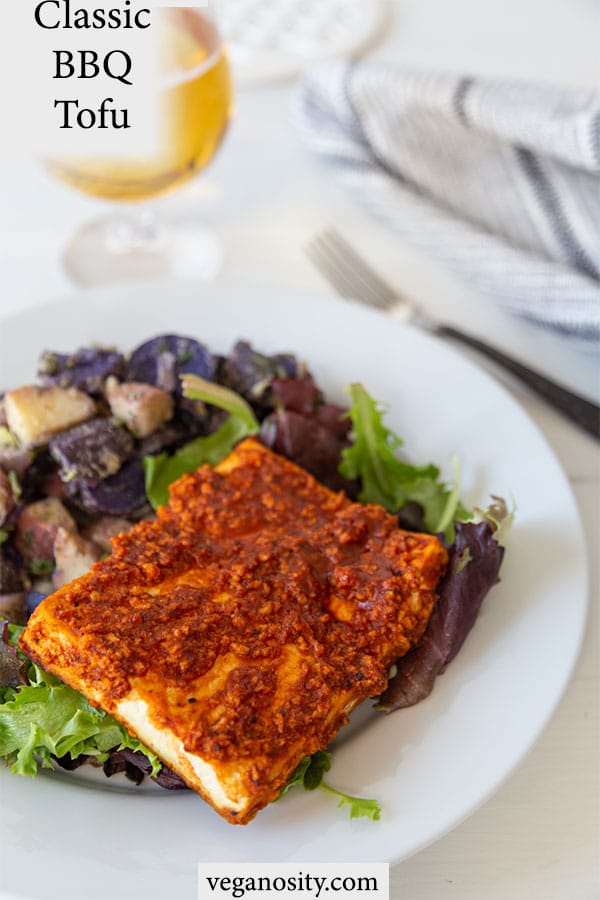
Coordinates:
(429, 766)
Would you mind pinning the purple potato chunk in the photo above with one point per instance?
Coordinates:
(35, 479)
(32, 601)
(87, 369)
(169, 437)
(163, 359)
(123, 494)
(251, 373)
(92, 451)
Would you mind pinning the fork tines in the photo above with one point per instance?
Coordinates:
(348, 273)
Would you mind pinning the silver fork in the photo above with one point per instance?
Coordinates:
(352, 277)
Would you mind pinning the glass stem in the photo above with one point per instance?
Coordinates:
(136, 231)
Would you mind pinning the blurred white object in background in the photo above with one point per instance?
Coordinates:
(270, 40)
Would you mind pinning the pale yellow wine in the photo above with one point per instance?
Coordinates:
(195, 110)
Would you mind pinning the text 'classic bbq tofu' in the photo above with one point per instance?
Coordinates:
(234, 633)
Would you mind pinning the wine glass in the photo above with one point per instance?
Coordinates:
(195, 102)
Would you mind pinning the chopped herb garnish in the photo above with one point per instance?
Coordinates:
(40, 566)
(15, 485)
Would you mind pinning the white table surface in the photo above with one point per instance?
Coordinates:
(538, 837)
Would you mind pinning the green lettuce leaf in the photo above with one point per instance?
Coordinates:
(162, 470)
(309, 774)
(360, 807)
(389, 480)
(47, 718)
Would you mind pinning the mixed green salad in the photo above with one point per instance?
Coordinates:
(93, 447)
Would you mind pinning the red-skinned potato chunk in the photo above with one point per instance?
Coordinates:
(7, 501)
(37, 527)
(102, 531)
(73, 555)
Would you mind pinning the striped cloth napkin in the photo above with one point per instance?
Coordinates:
(499, 180)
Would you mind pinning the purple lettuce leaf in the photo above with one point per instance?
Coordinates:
(170, 780)
(12, 670)
(65, 762)
(299, 395)
(310, 444)
(473, 567)
(136, 766)
(133, 763)
(308, 431)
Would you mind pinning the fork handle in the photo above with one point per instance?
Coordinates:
(582, 412)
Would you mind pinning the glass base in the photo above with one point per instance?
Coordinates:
(136, 248)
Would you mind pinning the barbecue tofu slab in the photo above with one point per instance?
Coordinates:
(235, 632)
